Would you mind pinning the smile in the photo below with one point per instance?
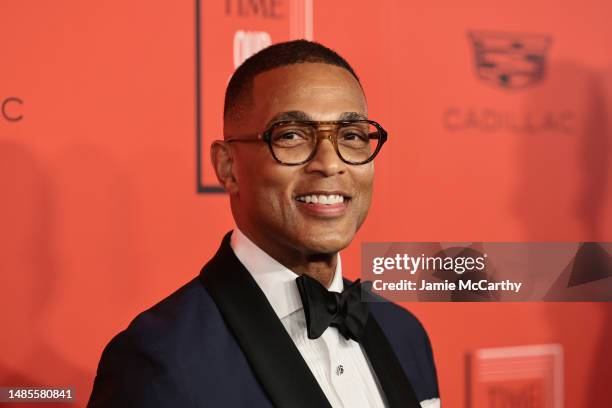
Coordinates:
(323, 204)
(329, 199)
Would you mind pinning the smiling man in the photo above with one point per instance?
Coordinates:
(270, 321)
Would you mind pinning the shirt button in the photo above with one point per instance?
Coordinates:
(339, 370)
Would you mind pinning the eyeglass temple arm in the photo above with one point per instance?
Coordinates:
(247, 139)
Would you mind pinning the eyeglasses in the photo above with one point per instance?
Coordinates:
(295, 142)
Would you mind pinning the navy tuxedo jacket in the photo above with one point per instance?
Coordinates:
(217, 342)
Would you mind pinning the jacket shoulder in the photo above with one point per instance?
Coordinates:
(171, 319)
(146, 364)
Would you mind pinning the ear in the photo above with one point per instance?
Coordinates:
(222, 160)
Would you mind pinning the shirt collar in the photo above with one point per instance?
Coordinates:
(275, 280)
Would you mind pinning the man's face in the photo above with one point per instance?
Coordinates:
(268, 202)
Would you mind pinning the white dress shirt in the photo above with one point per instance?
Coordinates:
(340, 366)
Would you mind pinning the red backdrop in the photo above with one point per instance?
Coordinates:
(100, 215)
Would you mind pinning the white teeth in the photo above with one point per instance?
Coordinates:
(321, 199)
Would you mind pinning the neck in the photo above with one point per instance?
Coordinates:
(319, 266)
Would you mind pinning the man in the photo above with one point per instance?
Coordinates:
(265, 324)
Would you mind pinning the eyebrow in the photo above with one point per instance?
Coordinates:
(300, 115)
(352, 116)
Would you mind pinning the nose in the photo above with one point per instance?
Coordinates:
(326, 160)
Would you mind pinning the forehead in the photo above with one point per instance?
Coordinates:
(322, 91)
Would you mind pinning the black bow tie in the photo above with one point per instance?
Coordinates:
(324, 308)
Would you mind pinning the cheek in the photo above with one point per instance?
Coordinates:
(268, 189)
(365, 181)
(253, 174)
(365, 184)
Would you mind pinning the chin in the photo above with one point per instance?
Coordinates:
(326, 244)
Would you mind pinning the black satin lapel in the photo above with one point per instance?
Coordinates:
(276, 361)
(391, 376)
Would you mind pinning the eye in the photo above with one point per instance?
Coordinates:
(289, 136)
(352, 136)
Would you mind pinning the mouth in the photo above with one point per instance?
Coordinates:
(323, 197)
(325, 204)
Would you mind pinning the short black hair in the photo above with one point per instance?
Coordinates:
(278, 55)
